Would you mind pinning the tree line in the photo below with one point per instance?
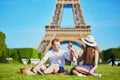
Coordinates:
(18, 53)
(105, 55)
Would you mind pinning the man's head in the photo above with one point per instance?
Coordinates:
(56, 44)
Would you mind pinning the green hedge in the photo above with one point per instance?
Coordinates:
(19, 53)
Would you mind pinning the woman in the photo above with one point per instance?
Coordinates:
(90, 58)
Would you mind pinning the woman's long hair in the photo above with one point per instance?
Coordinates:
(89, 55)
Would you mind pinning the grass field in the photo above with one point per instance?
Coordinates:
(11, 72)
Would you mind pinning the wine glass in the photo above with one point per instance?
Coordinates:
(25, 61)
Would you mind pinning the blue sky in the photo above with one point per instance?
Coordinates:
(24, 21)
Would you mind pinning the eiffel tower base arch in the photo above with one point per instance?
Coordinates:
(73, 35)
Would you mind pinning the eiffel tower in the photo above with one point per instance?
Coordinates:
(53, 30)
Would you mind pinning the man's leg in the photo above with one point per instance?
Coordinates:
(53, 68)
(42, 67)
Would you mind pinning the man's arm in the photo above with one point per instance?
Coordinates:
(44, 59)
(41, 62)
(71, 55)
(37, 66)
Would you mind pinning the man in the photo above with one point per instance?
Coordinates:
(56, 57)
(113, 59)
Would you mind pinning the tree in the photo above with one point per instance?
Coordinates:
(3, 47)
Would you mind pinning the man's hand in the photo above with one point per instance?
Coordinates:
(35, 69)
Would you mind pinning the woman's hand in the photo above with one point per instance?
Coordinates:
(91, 72)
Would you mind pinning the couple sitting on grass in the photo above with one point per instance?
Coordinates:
(57, 57)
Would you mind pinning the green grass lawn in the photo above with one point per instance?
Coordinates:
(11, 72)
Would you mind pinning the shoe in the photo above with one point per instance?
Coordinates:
(98, 75)
(28, 72)
(81, 75)
(41, 72)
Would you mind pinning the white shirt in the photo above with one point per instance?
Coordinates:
(57, 57)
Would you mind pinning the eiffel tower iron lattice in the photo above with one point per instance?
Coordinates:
(53, 30)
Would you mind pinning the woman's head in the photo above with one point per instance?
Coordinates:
(89, 40)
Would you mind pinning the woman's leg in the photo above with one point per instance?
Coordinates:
(81, 70)
(75, 72)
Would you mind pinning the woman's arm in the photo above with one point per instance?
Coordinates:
(81, 57)
(96, 62)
